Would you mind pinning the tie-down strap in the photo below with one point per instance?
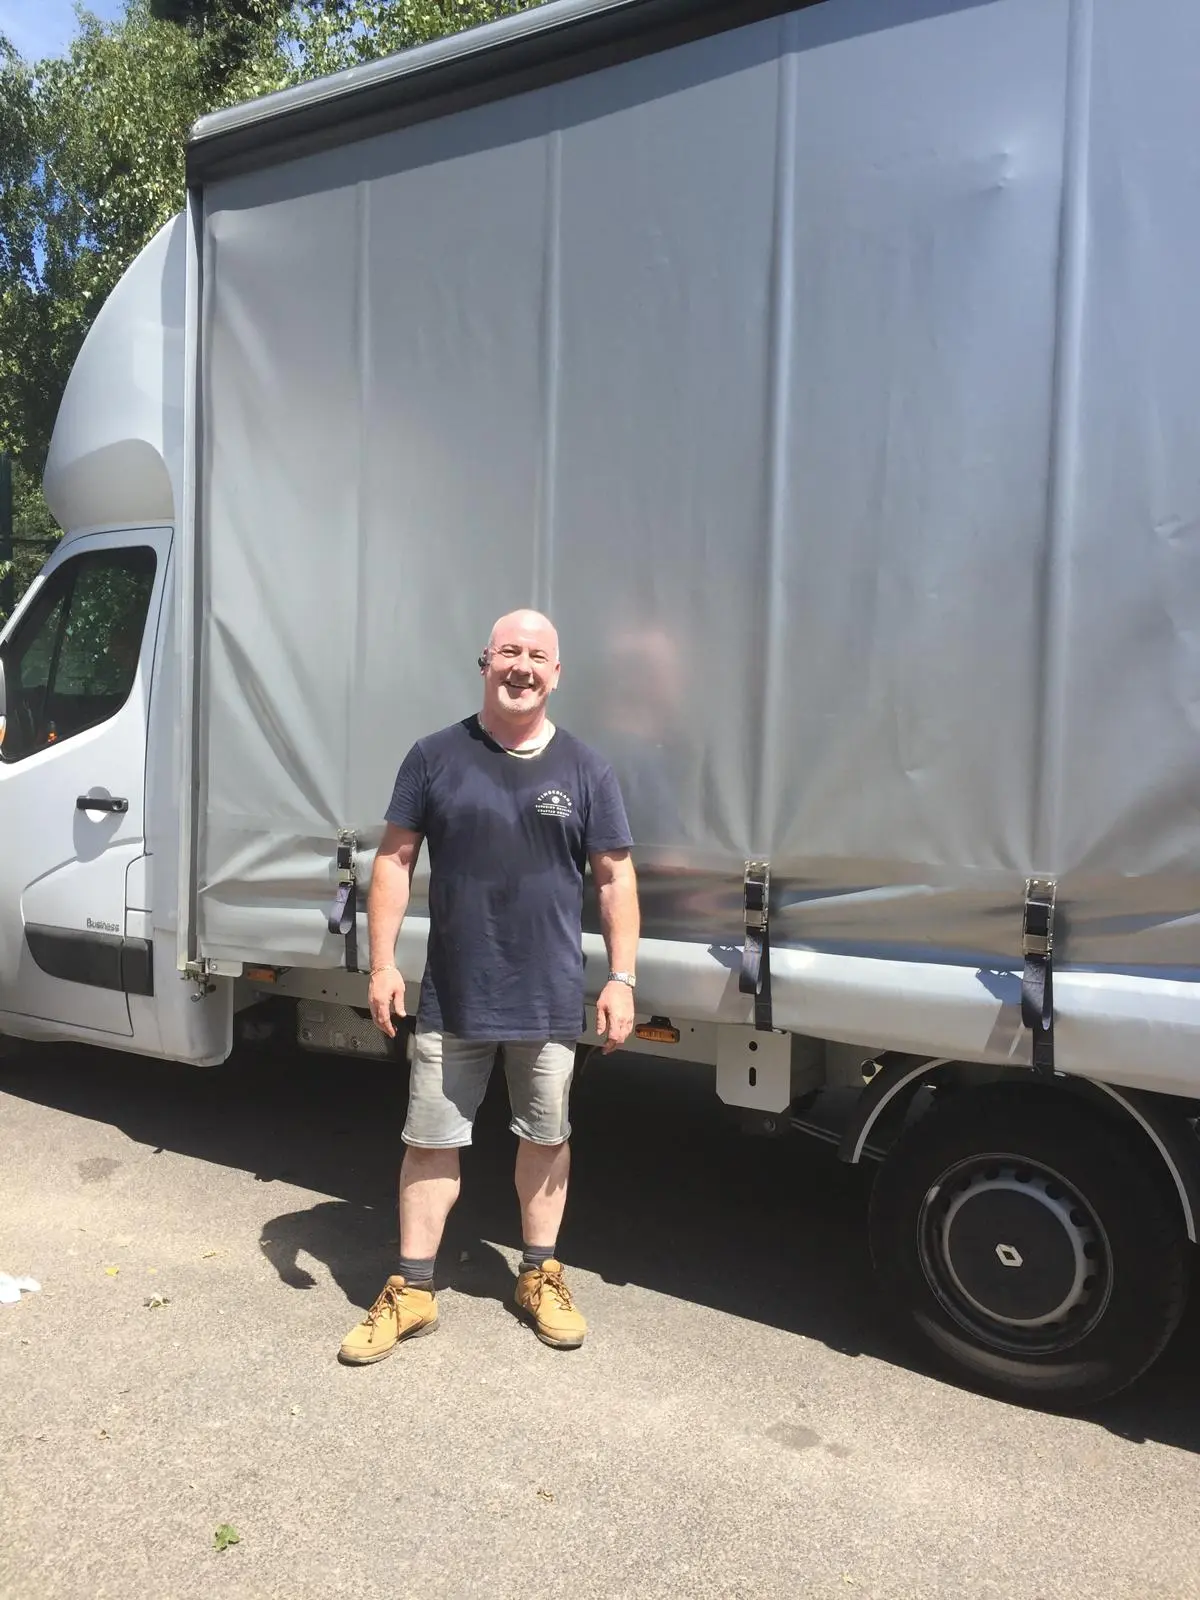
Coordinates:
(1037, 982)
(755, 976)
(343, 913)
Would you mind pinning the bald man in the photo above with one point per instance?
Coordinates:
(513, 809)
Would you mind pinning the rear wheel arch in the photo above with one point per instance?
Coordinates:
(1033, 1240)
(1161, 1125)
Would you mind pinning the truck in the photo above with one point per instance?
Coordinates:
(827, 372)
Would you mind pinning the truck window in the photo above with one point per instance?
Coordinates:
(71, 663)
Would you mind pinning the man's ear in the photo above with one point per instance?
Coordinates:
(483, 662)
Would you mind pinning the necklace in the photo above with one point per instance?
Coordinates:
(531, 747)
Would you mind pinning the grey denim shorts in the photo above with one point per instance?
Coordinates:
(450, 1075)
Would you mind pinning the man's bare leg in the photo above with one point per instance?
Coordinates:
(543, 1171)
(429, 1186)
(543, 1298)
(407, 1307)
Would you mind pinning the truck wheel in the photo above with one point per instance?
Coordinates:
(1032, 1244)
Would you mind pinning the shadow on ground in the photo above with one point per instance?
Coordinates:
(665, 1194)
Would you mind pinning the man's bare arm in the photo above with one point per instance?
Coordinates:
(391, 882)
(620, 923)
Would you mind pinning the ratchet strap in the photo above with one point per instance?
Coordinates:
(1037, 982)
(755, 976)
(343, 913)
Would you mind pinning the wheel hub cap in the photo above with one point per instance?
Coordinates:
(1013, 1254)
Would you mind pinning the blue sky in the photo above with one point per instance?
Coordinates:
(41, 28)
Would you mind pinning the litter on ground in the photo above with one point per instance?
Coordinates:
(11, 1288)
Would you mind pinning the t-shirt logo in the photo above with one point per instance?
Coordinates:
(554, 803)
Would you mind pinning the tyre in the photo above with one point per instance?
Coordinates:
(1031, 1244)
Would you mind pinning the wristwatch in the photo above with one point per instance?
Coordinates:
(623, 977)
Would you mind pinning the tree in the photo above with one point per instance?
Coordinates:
(91, 165)
(92, 160)
(328, 35)
(231, 36)
(25, 342)
(23, 348)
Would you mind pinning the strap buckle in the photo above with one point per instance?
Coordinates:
(755, 975)
(1037, 980)
(756, 896)
(347, 866)
(1038, 930)
(342, 917)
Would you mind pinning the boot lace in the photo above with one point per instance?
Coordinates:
(390, 1297)
(556, 1284)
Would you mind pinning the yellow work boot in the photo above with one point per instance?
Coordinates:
(400, 1313)
(544, 1301)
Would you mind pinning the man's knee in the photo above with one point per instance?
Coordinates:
(422, 1161)
(546, 1148)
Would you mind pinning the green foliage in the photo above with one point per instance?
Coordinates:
(34, 532)
(327, 37)
(92, 163)
(23, 347)
(92, 166)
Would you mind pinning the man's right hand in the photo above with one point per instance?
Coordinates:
(386, 997)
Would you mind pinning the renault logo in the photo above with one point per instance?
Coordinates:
(1009, 1255)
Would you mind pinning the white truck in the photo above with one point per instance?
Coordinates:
(829, 373)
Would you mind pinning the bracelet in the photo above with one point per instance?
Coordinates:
(388, 966)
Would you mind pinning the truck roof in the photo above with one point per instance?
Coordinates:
(549, 43)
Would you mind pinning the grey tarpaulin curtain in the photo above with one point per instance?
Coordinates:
(832, 381)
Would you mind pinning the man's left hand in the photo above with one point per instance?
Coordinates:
(614, 1015)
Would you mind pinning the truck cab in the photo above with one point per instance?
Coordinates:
(89, 809)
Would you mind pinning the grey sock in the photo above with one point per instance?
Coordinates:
(417, 1273)
(536, 1255)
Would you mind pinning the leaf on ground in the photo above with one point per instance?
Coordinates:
(545, 1494)
(225, 1536)
(207, 1255)
(156, 1300)
(112, 1271)
(103, 1433)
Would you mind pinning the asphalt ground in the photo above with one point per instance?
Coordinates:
(743, 1420)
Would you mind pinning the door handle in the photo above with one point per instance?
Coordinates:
(97, 802)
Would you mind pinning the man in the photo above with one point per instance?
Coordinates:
(512, 809)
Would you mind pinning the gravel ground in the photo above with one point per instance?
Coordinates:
(741, 1422)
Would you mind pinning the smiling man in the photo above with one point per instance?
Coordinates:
(513, 809)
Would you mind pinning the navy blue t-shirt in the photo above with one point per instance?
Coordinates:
(508, 840)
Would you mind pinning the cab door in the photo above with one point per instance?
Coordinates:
(78, 668)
